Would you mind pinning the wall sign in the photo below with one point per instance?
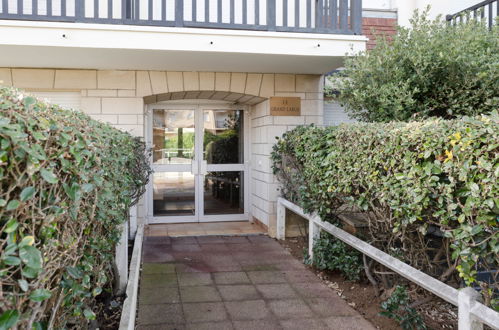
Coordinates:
(285, 106)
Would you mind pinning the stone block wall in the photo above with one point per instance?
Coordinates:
(265, 130)
(119, 98)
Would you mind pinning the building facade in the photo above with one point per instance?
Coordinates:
(195, 79)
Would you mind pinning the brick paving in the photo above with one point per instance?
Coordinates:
(234, 282)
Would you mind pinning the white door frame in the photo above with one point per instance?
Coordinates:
(199, 166)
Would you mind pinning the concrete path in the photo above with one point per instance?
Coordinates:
(234, 282)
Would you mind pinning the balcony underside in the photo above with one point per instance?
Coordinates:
(99, 46)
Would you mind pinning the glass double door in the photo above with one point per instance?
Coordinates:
(200, 164)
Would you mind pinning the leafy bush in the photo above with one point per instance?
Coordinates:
(67, 184)
(438, 177)
(333, 254)
(397, 307)
(431, 69)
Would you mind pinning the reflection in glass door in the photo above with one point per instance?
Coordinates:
(199, 161)
(173, 139)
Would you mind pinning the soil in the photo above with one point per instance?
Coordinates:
(109, 313)
(361, 296)
(109, 306)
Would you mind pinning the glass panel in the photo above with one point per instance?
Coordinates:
(173, 193)
(223, 137)
(223, 193)
(173, 136)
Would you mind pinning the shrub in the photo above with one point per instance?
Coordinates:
(332, 254)
(431, 69)
(67, 184)
(398, 307)
(438, 177)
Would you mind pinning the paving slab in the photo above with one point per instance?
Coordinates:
(276, 291)
(290, 308)
(257, 325)
(231, 278)
(159, 295)
(160, 314)
(247, 310)
(155, 268)
(224, 325)
(302, 324)
(238, 292)
(199, 294)
(234, 282)
(204, 312)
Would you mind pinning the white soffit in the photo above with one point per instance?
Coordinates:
(98, 46)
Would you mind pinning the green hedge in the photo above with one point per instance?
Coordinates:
(409, 179)
(67, 184)
(431, 69)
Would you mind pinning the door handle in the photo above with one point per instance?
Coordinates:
(204, 166)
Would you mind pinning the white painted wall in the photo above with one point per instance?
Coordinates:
(334, 114)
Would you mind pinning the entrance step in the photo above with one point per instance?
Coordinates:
(205, 229)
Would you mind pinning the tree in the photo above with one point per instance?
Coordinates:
(430, 69)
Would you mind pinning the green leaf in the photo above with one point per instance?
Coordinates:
(27, 193)
(39, 326)
(89, 315)
(11, 226)
(30, 272)
(29, 100)
(27, 241)
(13, 204)
(40, 295)
(3, 202)
(74, 272)
(10, 249)
(23, 284)
(96, 291)
(8, 319)
(48, 176)
(31, 256)
(11, 260)
(87, 187)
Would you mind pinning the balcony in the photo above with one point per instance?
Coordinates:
(312, 16)
(485, 11)
(264, 36)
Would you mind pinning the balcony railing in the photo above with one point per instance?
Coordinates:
(316, 16)
(485, 10)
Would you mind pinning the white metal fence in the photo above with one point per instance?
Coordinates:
(472, 314)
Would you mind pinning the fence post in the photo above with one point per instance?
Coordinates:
(466, 299)
(132, 230)
(356, 16)
(79, 10)
(179, 13)
(271, 13)
(121, 260)
(314, 232)
(281, 220)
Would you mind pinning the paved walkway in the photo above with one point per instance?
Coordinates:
(234, 282)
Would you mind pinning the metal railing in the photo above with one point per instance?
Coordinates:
(315, 16)
(485, 10)
(471, 313)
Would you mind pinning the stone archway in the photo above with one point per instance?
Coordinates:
(242, 88)
(238, 98)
